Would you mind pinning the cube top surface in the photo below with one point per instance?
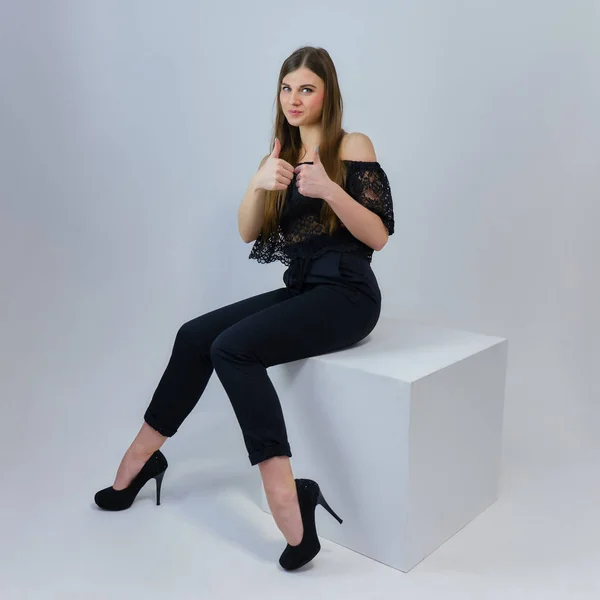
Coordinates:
(408, 351)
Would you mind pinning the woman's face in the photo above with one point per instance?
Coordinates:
(302, 91)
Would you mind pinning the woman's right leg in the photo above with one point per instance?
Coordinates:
(185, 378)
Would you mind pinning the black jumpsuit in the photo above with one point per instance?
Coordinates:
(331, 300)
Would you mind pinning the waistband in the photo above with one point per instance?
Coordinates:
(314, 269)
(299, 269)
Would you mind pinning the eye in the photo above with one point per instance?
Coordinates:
(285, 87)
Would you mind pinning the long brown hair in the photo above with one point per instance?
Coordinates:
(320, 63)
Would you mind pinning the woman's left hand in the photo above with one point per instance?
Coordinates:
(312, 181)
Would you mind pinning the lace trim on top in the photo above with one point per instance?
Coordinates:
(300, 233)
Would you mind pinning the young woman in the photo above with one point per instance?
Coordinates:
(320, 203)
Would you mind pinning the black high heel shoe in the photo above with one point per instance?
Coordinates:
(309, 495)
(154, 468)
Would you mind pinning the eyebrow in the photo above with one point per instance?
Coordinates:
(300, 86)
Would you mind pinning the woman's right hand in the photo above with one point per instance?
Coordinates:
(276, 173)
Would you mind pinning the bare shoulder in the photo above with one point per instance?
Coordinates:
(357, 146)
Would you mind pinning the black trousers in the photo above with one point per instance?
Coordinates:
(328, 303)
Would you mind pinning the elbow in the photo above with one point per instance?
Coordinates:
(247, 238)
(244, 235)
(380, 245)
(248, 235)
(383, 236)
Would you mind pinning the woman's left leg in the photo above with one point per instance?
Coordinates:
(321, 319)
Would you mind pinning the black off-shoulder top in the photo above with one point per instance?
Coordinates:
(301, 235)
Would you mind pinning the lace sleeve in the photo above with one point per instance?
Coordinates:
(368, 184)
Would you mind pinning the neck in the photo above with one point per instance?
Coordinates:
(311, 138)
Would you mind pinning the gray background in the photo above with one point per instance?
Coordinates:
(128, 135)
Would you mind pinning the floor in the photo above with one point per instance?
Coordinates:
(210, 539)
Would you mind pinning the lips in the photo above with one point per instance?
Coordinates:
(295, 113)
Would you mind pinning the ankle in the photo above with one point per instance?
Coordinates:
(139, 452)
(282, 496)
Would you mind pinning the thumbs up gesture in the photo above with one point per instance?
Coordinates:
(276, 173)
(312, 181)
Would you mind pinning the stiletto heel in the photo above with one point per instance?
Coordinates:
(328, 508)
(309, 495)
(111, 499)
(159, 479)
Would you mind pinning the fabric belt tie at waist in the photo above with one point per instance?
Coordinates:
(299, 269)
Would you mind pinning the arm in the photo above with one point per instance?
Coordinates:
(359, 220)
(362, 223)
(252, 208)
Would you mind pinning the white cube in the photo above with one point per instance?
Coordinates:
(403, 432)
